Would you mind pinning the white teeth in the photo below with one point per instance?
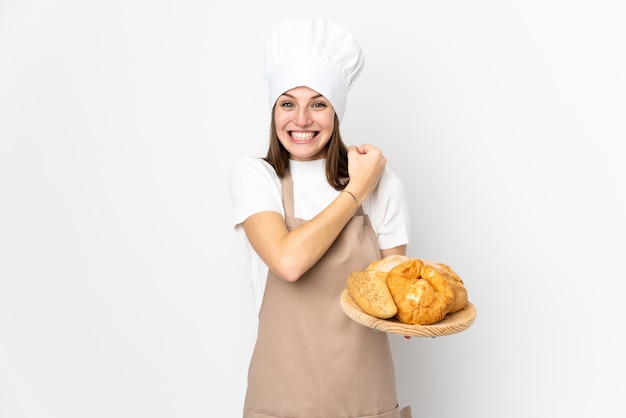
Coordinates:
(302, 136)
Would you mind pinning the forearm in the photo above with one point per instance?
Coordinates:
(290, 254)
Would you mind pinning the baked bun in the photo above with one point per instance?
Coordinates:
(457, 285)
(369, 290)
(422, 294)
(384, 265)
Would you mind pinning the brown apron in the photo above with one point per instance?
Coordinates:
(310, 360)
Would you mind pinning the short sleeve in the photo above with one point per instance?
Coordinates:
(254, 187)
(389, 211)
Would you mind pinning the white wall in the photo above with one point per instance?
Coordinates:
(122, 287)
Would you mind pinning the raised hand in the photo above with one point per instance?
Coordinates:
(366, 164)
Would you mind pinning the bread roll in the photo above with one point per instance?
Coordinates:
(384, 265)
(457, 285)
(421, 293)
(369, 290)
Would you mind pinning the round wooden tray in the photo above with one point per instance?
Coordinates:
(451, 324)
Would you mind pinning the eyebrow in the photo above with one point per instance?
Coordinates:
(313, 97)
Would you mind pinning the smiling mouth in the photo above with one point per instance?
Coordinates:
(303, 136)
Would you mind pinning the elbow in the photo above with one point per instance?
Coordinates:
(289, 275)
(288, 271)
(291, 278)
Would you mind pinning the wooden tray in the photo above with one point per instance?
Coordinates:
(451, 324)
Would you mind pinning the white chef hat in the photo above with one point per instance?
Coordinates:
(314, 53)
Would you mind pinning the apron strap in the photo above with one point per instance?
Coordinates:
(287, 185)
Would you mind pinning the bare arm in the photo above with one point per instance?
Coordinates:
(400, 250)
(289, 254)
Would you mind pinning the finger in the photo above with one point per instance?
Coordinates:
(365, 148)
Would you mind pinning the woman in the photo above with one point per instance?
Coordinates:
(310, 213)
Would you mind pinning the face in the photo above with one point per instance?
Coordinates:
(304, 123)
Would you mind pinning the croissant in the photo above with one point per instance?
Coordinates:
(421, 294)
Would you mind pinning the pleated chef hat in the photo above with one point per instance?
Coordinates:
(314, 53)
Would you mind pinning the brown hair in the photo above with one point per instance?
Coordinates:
(336, 156)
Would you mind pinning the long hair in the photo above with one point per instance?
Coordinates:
(336, 156)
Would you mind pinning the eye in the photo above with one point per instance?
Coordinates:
(286, 104)
(319, 105)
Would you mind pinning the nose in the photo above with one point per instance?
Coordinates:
(303, 117)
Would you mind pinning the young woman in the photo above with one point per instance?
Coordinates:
(310, 213)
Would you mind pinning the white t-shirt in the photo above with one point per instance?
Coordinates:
(255, 187)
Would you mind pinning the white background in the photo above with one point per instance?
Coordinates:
(123, 291)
